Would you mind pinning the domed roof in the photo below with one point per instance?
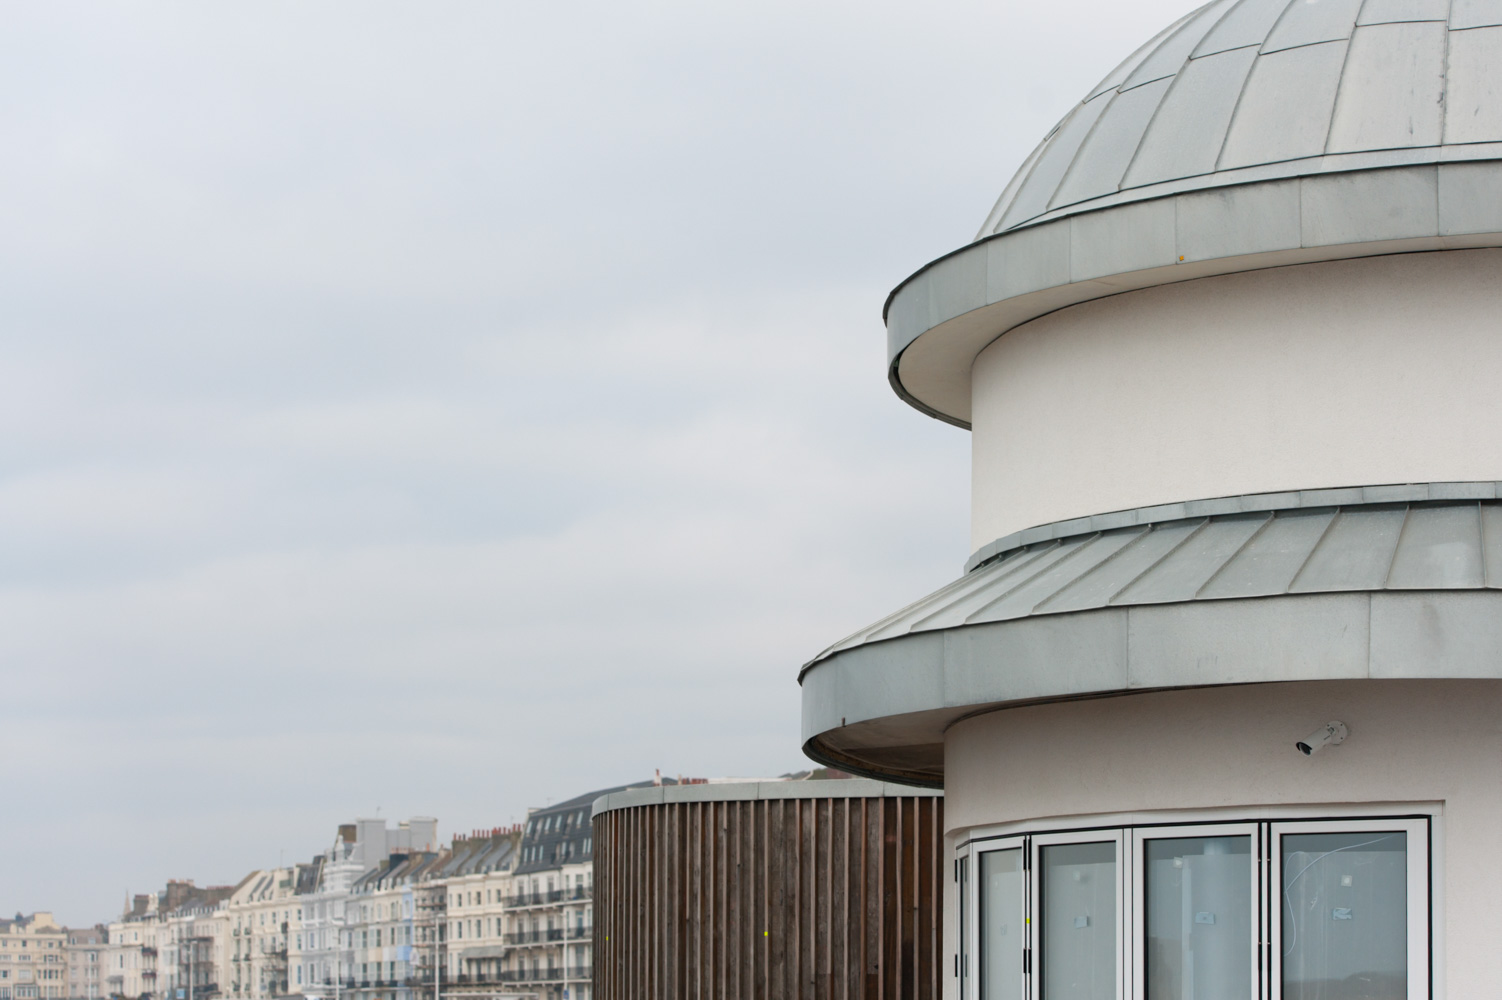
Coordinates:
(1247, 90)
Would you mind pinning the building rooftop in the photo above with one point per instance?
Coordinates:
(1191, 594)
(1249, 134)
(561, 834)
(1255, 89)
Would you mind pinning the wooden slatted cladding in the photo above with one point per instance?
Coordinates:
(774, 899)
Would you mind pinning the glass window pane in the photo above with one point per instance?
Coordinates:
(1078, 914)
(1003, 930)
(1345, 916)
(1199, 918)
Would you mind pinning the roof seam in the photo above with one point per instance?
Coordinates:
(1392, 559)
(1138, 532)
(1444, 88)
(1229, 11)
(1340, 81)
(1014, 186)
(1144, 50)
(1274, 29)
(1174, 77)
(1266, 520)
(1309, 557)
(1078, 158)
(1067, 210)
(1221, 52)
(1152, 119)
(1158, 561)
(1486, 572)
(1246, 84)
(1144, 83)
(1029, 579)
(1042, 550)
(1481, 543)
(1107, 96)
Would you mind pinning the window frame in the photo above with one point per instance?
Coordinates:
(1266, 827)
(1119, 837)
(1140, 836)
(1419, 859)
(970, 921)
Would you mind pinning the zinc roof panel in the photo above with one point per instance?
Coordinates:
(957, 612)
(1124, 69)
(1313, 21)
(1248, 23)
(1096, 588)
(921, 606)
(1393, 89)
(1181, 573)
(1028, 594)
(1103, 159)
(985, 580)
(1169, 56)
(1475, 13)
(1473, 110)
(1285, 109)
(1355, 553)
(1190, 127)
(1035, 193)
(1491, 544)
(1271, 560)
(1386, 11)
(1440, 548)
(993, 221)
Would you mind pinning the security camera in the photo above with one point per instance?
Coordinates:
(1331, 734)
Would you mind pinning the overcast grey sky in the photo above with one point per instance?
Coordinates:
(446, 408)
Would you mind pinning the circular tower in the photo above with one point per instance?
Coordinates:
(1215, 704)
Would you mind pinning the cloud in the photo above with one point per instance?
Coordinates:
(450, 409)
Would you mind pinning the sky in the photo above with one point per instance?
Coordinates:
(451, 408)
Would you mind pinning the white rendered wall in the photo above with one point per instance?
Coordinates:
(1351, 373)
(1232, 748)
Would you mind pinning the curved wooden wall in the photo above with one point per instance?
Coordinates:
(774, 899)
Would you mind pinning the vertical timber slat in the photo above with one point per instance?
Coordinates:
(804, 897)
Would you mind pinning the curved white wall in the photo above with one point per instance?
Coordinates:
(1411, 742)
(1350, 373)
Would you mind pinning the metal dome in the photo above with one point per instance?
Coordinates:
(1249, 134)
(1243, 90)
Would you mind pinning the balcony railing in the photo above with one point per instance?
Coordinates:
(541, 898)
(551, 975)
(580, 933)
